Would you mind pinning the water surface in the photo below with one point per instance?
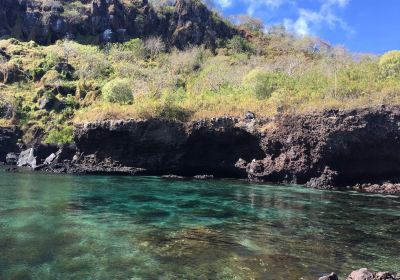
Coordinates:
(81, 227)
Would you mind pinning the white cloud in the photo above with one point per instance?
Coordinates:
(252, 5)
(224, 3)
(310, 20)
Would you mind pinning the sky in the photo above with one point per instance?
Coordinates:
(366, 26)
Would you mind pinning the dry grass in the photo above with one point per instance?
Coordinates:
(5, 123)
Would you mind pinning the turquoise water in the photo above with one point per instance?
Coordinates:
(78, 227)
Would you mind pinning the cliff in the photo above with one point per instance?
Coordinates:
(332, 149)
(189, 22)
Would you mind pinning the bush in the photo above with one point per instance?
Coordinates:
(390, 64)
(60, 136)
(130, 51)
(262, 84)
(118, 91)
(239, 45)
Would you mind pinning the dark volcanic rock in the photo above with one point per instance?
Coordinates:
(8, 142)
(11, 159)
(322, 150)
(335, 148)
(189, 22)
(165, 147)
(385, 188)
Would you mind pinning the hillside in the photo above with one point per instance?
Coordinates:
(66, 62)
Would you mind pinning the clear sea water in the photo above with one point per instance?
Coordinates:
(95, 227)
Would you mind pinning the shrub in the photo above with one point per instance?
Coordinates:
(390, 64)
(118, 91)
(262, 84)
(51, 78)
(60, 136)
(130, 51)
(239, 45)
(154, 46)
(217, 73)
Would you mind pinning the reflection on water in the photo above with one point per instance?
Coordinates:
(66, 227)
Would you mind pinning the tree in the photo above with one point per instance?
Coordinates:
(118, 91)
(249, 23)
(154, 45)
(263, 84)
(390, 64)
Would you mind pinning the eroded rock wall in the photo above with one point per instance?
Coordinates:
(188, 23)
(165, 147)
(335, 148)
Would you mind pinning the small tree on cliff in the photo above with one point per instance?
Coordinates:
(154, 46)
(118, 91)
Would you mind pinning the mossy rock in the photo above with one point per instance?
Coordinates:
(83, 88)
(65, 70)
(91, 97)
(51, 78)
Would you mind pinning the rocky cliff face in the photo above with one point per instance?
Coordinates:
(164, 147)
(322, 150)
(332, 149)
(189, 22)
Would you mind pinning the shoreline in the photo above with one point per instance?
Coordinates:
(333, 149)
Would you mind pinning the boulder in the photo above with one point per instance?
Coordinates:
(12, 159)
(27, 159)
(50, 102)
(50, 159)
(36, 156)
(250, 116)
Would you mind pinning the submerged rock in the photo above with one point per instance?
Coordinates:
(365, 274)
(332, 276)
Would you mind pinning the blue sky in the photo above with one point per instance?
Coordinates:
(371, 26)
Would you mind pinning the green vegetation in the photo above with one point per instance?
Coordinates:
(62, 136)
(54, 86)
(118, 91)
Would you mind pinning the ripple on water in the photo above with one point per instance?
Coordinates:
(66, 227)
